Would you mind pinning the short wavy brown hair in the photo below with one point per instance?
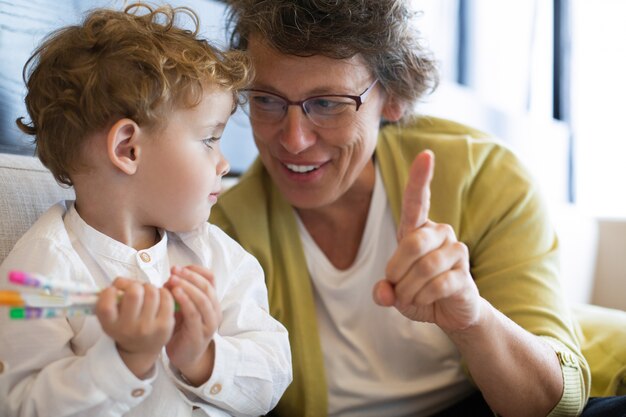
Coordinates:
(137, 63)
(383, 32)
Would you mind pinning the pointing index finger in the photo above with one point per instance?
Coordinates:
(416, 200)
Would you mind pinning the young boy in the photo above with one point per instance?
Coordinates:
(128, 109)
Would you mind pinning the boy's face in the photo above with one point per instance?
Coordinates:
(182, 166)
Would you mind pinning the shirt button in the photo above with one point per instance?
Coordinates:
(137, 392)
(215, 389)
(145, 256)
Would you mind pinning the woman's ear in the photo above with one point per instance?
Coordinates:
(122, 145)
(393, 109)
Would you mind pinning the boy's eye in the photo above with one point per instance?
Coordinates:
(209, 141)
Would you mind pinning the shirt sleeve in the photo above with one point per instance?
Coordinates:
(43, 376)
(252, 365)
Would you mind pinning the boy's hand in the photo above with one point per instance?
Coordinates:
(191, 349)
(141, 322)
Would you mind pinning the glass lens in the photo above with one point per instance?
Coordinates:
(323, 111)
(330, 111)
(265, 106)
(328, 106)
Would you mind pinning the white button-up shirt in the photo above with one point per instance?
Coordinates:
(70, 367)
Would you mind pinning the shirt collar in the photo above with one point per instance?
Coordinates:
(101, 245)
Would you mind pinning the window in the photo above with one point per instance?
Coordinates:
(501, 79)
(597, 105)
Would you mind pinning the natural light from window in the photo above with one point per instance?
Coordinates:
(598, 109)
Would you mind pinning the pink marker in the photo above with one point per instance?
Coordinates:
(39, 281)
(22, 278)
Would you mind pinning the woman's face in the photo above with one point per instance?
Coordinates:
(315, 166)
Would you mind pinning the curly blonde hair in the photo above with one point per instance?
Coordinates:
(118, 64)
(383, 32)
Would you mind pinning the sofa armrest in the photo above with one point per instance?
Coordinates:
(603, 343)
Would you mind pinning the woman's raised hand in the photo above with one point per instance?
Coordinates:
(428, 277)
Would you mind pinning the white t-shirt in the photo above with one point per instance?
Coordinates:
(378, 362)
(59, 367)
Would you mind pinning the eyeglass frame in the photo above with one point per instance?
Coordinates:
(359, 100)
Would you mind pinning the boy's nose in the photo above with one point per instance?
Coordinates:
(223, 167)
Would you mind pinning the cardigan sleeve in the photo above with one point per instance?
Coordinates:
(482, 190)
(515, 262)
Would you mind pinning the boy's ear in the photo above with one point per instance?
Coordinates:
(393, 109)
(122, 145)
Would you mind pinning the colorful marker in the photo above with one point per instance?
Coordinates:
(51, 301)
(45, 299)
(39, 281)
(28, 313)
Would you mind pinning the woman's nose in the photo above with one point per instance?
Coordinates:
(296, 134)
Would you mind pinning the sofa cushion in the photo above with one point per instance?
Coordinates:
(603, 343)
(27, 189)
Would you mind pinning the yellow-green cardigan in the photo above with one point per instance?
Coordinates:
(480, 189)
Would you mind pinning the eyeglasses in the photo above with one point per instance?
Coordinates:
(332, 110)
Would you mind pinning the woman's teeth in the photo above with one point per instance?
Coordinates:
(302, 168)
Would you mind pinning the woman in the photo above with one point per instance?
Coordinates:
(389, 313)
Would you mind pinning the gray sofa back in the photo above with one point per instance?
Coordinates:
(27, 189)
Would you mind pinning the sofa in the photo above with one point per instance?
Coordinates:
(28, 189)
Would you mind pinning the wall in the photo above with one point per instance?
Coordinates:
(610, 283)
